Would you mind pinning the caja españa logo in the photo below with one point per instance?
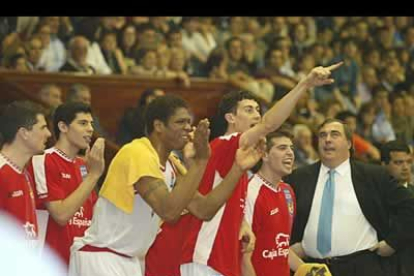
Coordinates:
(281, 250)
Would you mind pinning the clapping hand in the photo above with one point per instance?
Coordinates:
(200, 141)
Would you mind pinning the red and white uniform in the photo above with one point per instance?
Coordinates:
(56, 177)
(164, 256)
(215, 243)
(17, 198)
(270, 212)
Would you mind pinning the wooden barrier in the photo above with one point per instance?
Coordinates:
(111, 95)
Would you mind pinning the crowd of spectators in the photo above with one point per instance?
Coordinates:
(373, 90)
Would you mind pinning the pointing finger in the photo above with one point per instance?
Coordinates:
(334, 66)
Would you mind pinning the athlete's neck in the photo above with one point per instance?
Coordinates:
(269, 175)
(160, 148)
(16, 155)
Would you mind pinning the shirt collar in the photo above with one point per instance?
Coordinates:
(11, 163)
(342, 169)
(63, 155)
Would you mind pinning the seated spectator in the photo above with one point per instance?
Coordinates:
(81, 93)
(402, 124)
(147, 63)
(54, 52)
(330, 108)
(365, 122)
(300, 40)
(19, 63)
(369, 80)
(51, 95)
(382, 129)
(284, 43)
(347, 75)
(94, 33)
(34, 48)
(306, 112)
(273, 71)
(236, 61)
(160, 24)
(163, 57)
(363, 149)
(127, 43)
(239, 73)
(278, 28)
(305, 153)
(236, 26)
(175, 38)
(371, 57)
(10, 46)
(176, 68)
(148, 38)
(393, 75)
(253, 57)
(132, 124)
(112, 54)
(192, 41)
(216, 65)
(76, 62)
(207, 31)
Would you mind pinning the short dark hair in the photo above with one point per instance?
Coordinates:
(16, 115)
(228, 104)
(141, 28)
(343, 115)
(162, 108)
(283, 131)
(141, 53)
(14, 58)
(67, 113)
(230, 41)
(142, 101)
(377, 89)
(347, 130)
(74, 89)
(391, 146)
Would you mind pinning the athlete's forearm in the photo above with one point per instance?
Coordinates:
(205, 207)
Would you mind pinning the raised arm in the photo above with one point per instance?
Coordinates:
(169, 205)
(275, 116)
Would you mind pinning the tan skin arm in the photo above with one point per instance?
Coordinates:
(279, 112)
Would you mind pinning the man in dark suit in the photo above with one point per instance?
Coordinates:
(396, 158)
(344, 209)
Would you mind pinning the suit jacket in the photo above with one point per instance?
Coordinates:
(378, 194)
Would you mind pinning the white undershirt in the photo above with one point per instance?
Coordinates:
(351, 231)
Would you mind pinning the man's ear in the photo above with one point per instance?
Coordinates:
(265, 157)
(229, 117)
(63, 127)
(158, 125)
(23, 133)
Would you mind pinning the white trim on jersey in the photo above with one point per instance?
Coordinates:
(208, 231)
(39, 171)
(229, 136)
(253, 190)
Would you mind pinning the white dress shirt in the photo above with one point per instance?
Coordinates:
(351, 231)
